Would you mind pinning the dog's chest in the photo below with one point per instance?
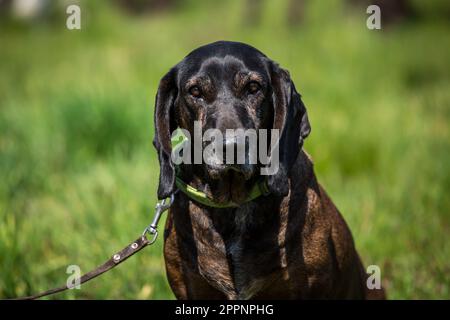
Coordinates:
(241, 257)
(245, 284)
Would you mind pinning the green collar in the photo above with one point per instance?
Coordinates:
(258, 189)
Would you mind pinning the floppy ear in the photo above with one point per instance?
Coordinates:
(291, 118)
(164, 126)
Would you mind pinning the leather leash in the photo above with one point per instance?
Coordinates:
(118, 257)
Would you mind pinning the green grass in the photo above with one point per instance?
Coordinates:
(78, 172)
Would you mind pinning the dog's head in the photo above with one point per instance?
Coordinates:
(229, 85)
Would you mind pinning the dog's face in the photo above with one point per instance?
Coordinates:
(224, 92)
(223, 86)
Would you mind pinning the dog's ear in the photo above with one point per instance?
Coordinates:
(291, 118)
(164, 126)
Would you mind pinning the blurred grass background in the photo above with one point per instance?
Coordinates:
(78, 172)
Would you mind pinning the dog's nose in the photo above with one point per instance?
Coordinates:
(229, 144)
(234, 157)
(235, 150)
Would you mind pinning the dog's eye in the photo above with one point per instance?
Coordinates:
(253, 87)
(195, 92)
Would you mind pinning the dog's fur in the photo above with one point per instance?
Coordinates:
(291, 244)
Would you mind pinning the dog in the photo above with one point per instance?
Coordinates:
(288, 243)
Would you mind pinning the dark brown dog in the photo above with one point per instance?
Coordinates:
(290, 244)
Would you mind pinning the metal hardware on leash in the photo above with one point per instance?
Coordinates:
(160, 208)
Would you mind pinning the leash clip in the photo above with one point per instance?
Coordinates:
(160, 208)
